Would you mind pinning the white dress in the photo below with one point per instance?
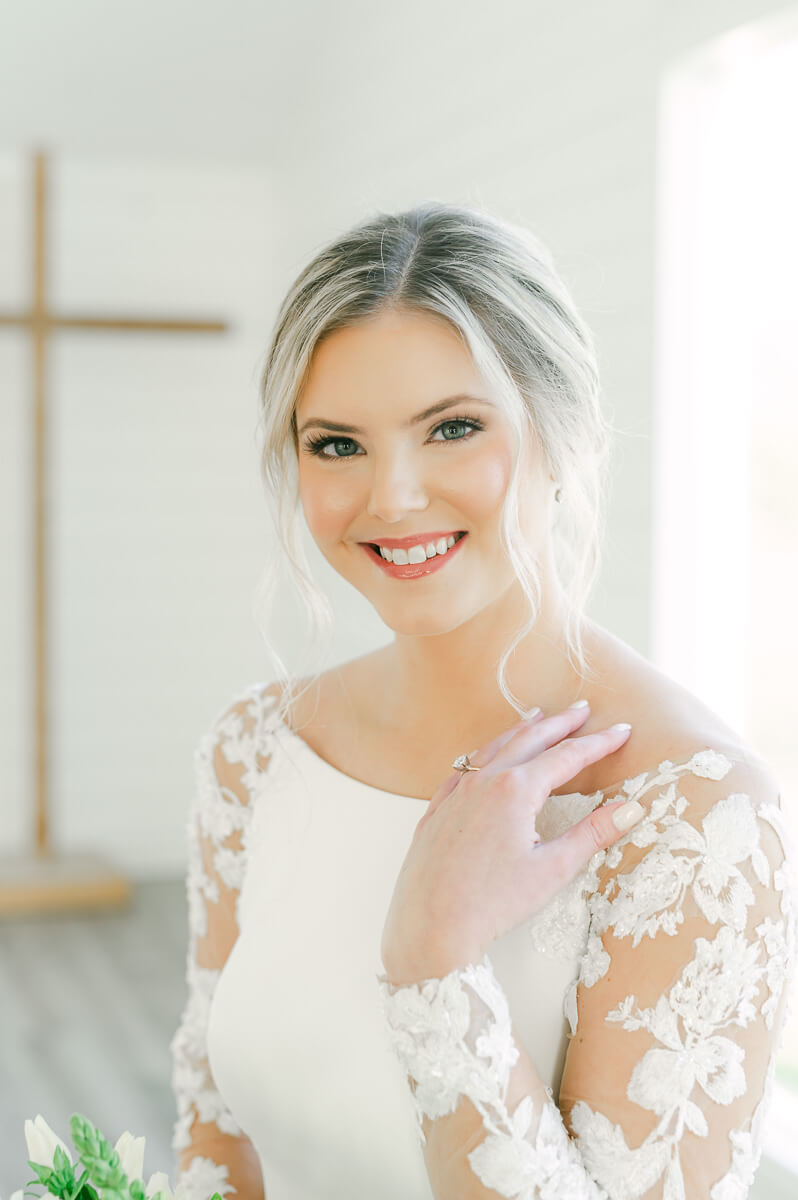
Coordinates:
(670, 957)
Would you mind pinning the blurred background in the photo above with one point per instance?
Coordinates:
(185, 160)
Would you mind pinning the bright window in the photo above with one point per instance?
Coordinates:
(726, 429)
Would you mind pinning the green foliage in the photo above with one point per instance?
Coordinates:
(44, 1174)
(58, 1179)
(78, 1188)
(99, 1156)
(101, 1165)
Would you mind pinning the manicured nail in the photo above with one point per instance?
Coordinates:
(621, 725)
(627, 815)
(579, 704)
(535, 712)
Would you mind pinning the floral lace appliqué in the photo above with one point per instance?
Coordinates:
(454, 1036)
(221, 817)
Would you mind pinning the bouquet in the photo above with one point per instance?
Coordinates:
(102, 1172)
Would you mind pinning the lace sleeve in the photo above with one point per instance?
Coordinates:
(227, 764)
(676, 1015)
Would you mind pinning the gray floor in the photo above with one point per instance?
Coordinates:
(88, 1007)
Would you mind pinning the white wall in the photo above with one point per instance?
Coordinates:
(156, 526)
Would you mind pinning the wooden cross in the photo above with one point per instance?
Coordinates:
(45, 880)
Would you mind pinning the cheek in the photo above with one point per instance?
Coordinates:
(328, 504)
(482, 486)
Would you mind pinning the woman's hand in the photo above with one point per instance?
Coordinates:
(476, 867)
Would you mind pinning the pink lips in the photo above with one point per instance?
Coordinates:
(418, 539)
(413, 570)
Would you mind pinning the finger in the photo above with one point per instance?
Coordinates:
(478, 757)
(558, 764)
(495, 752)
(528, 739)
(521, 749)
(485, 753)
(559, 861)
(481, 756)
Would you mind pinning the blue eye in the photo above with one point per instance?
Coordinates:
(316, 445)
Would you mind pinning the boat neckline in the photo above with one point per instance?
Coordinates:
(426, 799)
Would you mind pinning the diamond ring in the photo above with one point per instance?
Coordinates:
(462, 764)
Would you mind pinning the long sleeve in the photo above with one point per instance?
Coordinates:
(675, 1017)
(227, 769)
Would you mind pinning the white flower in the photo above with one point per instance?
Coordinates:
(158, 1182)
(131, 1155)
(20, 1195)
(42, 1142)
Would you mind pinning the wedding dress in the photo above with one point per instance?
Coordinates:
(650, 993)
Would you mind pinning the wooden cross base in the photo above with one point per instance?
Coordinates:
(48, 883)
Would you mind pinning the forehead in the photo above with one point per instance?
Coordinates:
(397, 361)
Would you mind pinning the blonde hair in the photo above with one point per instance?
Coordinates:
(496, 285)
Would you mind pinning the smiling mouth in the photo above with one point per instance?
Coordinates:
(414, 570)
(457, 538)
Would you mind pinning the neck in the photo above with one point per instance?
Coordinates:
(436, 682)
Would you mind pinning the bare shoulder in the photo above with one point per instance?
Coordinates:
(669, 722)
(673, 724)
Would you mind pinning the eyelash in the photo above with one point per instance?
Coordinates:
(315, 445)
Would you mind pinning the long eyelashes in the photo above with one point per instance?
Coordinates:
(315, 445)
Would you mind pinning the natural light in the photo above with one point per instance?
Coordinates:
(726, 555)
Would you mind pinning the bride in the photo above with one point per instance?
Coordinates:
(555, 965)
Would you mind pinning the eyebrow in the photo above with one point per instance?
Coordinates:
(441, 406)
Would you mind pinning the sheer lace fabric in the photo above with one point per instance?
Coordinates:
(676, 1013)
(229, 765)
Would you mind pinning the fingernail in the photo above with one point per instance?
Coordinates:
(621, 725)
(535, 712)
(579, 704)
(627, 815)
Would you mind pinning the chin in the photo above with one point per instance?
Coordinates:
(420, 623)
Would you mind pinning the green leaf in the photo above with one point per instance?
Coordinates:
(45, 1174)
(78, 1186)
(137, 1190)
(60, 1159)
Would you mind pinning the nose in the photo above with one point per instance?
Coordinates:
(397, 488)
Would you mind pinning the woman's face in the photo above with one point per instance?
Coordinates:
(387, 473)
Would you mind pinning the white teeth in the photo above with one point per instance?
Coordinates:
(417, 554)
